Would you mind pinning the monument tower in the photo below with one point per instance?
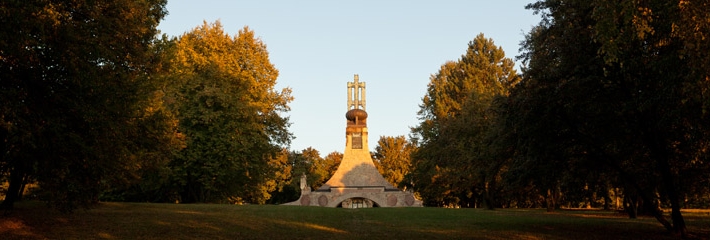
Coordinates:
(356, 183)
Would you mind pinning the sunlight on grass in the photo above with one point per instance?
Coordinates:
(199, 225)
(439, 231)
(698, 211)
(8, 226)
(188, 212)
(106, 236)
(525, 237)
(309, 225)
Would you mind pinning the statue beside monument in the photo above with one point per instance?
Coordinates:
(356, 183)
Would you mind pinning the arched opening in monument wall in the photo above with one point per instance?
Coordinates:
(358, 202)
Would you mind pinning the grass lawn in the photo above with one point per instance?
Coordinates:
(32, 220)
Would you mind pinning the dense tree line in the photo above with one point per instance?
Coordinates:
(95, 106)
(613, 101)
(74, 92)
(306, 162)
(625, 85)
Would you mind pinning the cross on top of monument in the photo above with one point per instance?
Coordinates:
(356, 182)
(356, 94)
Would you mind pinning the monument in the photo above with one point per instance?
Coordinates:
(356, 183)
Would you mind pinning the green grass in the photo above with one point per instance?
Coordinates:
(32, 220)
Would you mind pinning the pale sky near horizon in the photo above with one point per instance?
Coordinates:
(394, 46)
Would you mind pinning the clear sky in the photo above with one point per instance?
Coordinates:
(394, 46)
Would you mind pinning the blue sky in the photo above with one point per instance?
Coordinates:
(394, 46)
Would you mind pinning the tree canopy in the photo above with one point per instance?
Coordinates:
(455, 116)
(230, 113)
(621, 88)
(392, 158)
(613, 101)
(74, 83)
(309, 162)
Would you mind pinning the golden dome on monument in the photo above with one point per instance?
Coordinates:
(356, 113)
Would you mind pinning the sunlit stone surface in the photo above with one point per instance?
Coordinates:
(356, 183)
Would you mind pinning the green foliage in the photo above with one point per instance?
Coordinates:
(285, 188)
(332, 162)
(323, 168)
(229, 112)
(74, 89)
(392, 158)
(612, 90)
(448, 166)
(308, 161)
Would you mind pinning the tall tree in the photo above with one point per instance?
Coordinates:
(73, 85)
(622, 87)
(229, 112)
(158, 137)
(454, 115)
(393, 158)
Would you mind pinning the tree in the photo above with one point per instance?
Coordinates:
(455, 115)
(75, 84)
(281, 176)
(316, 171)
(229, 112)
(332, 162)
(308, 161)
(392, 158)
(323, 168)
(619, 87)
(158, 137)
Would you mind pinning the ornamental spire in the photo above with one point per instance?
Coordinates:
(356, 94)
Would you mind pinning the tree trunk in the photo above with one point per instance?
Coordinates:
(676, 216)
(669, 183)
(607, 199)
(648, 203)
(651, 204)
(590, 199)
(551, 201)
(13, 191)
(647, 200)
(631, 207)
(487, 197)
(21, 193)
(658, 214)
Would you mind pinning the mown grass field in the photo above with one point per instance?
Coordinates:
(32, 220)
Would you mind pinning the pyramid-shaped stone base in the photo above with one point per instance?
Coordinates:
(356, 183)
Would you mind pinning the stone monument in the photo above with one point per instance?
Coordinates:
(356, 183)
